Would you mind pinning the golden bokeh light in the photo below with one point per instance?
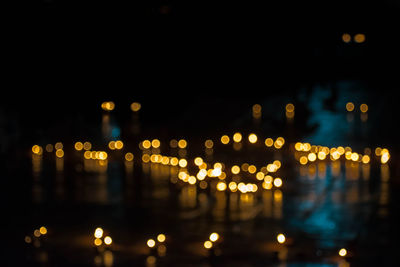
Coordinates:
(349, 106)
(281, 238)
(235, 169)
(161, 238)
(129, 156)
(346, 37)
(237, 137)
(303, 160)
(87, 146)
(208, 244)
(221, 186)
(60, 153)
(98, 242)
(151, 243)
(182, 163)
(182, 143)
(78, 146)
(155, 143)
(269, 142)
(342, 252)
(252, 138)
(365, 159)
(98, 233)
(312, 156)
(225, 139)
(278, 182)
(119, 144)
(214, 237)
(136, 106)
(43, 230)
(209, 143)
(363, 108)
(289, 107)
(359, 38)
(107, 240)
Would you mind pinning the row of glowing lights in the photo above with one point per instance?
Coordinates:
(358, 38)
(225, 139)
(321, 152)
(110, 105)
(350, 107)
(100, 239)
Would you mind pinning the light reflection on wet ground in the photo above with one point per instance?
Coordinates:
(322, 206)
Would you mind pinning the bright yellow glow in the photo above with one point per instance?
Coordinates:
(87, 146)
(216, 172)
(278, 144)
(135, 106)
(303, 160)
(182, 143)
(277, 163)
(298, 146)
(354, 156)
(321, 155)
(60, 153)
(260, 176)
(342, 252)
(312, 157)
(340, 149)
(98, 242)
(201, 175)
(306, 147)
(182, 163)
(151, 243)
(108, 106)
(155, 143)
(278, 182)
(119, 144)
(237, 137)
(214, 237)
(198, 161)
(174, 161)
(365, 159)
(221, 186)
(385, 157)
(36, 149)
(146, 144)
(192, 180)
(161, 238)
(252, 138)
(209, 143)
(359, 38)
(232, 186)
(252, 169)
(98, 233)
(107, 240)
(266, 185)
(268, 179)
(364, 108)
(346, 38)
(102, 155)
(347, 155)
(208, 244)
(235, 169)
(290, 107)
(349, 106)
(129, 156)
(225, 139)
(281, 238)
(269, 142)
(78, 146)
(43, 230)
(87, 154)
(217, 165)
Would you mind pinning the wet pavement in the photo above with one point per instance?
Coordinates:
(321, 207)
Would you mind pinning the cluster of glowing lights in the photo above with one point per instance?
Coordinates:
(98, 155)
(151, 243)
(116, 145)
(108, 106)
(358, 38)
(37, 233)
(350, 107)
(213, 238)
(164, 160)
(98, 235)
